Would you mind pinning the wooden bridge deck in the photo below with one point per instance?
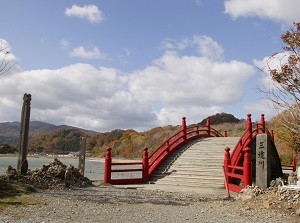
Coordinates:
(196, 167)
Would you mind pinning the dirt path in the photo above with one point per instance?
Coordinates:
(113, 204)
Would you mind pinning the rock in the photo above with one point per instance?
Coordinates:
(10, 173)
(246, 194)
(51, 176)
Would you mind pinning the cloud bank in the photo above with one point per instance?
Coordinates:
(89, 12)
(104, 98)
(277, 10)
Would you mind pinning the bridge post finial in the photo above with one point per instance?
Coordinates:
(183, 125)
(107, 166)
(145, 165)
(208, 126)
(249, 126)
(263, 123)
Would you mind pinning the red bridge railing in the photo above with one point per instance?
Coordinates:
(242, 151)
(150, 163)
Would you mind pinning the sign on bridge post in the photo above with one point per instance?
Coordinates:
(263, 161)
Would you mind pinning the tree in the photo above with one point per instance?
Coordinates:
(7, 60)
(284, 91)
(220, 118)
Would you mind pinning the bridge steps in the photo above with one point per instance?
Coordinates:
(198, 164)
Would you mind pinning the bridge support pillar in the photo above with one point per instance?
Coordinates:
(107, 166)
(247, 167)
(145, 165)
(227, 162)
(208, 126)
(183, 126)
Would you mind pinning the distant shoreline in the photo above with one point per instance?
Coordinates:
(93, 159)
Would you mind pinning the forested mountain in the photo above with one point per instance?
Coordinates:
(49, 138)
(124, 143)
(220, 118)
(10, 131)
(59, 141)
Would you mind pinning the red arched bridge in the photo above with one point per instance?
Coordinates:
(237, 166)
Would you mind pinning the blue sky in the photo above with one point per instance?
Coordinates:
(135, 64)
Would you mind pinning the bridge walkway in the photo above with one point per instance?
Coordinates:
(196, 167)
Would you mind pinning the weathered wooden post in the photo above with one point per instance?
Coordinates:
(24, 131)
(183, 126)
(81, 165)
(107, 166)
(145, 165)
(208, 126)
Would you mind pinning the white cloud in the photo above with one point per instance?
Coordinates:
(267, 64)
(89, 12)
(78, 95)
(260, 107)
(209, 48)
(206, 46)
(81, 52)
(105, 98)
(64, 44)
(193, 114)
(280, 11)
(178, 81)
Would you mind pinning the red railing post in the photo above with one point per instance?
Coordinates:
(208, 125)
(262, 122)
(294, 164)
(107, 166)
(145, 165)
(225, 133)
(197, 130)
(168, 146)
(227, 162)
(247, 167)
(183, 125)
(272, 135)
(249, 126)
(256, 129)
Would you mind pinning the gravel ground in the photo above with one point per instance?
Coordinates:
(113, 204)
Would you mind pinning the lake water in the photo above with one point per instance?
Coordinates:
(93, 168)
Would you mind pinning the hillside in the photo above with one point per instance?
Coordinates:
(48, 138)
(10, 131)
